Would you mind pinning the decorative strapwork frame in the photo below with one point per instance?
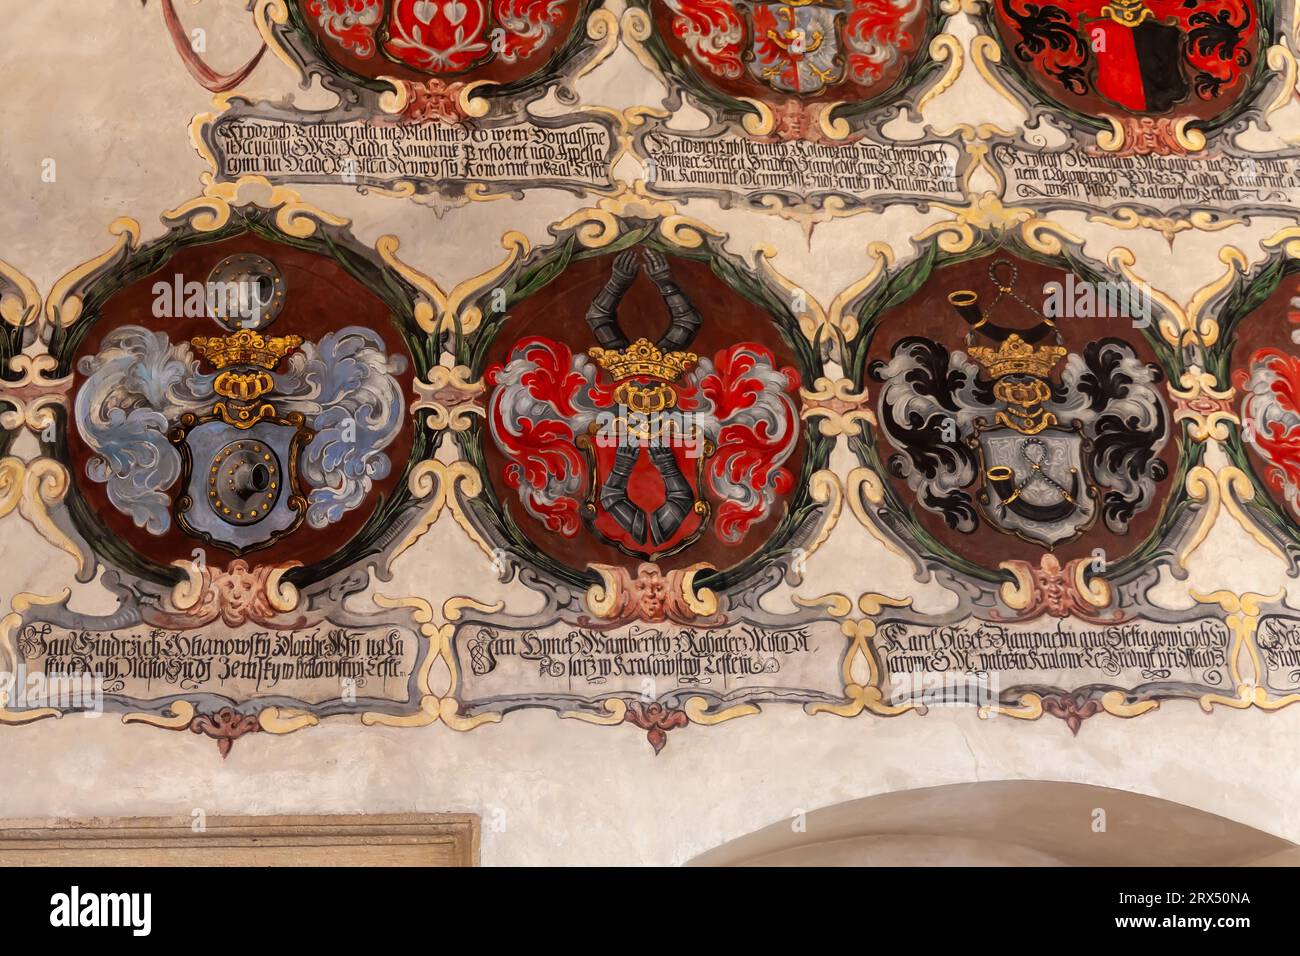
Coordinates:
(829, 121)
(1178, 518)
(224, 211)
(1129, 169)
(594, 37)
(20, 307)
(1266, 73)
(1096, 599)
(1253, 475)
(545, 266)
(276, 603)
(809, 162)
(934, 654)
(1270, 630)
(441, 138)
(683, 607)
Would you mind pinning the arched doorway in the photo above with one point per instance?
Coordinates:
(1006, 823)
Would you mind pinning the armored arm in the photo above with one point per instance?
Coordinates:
(684, 320)
(603, 314)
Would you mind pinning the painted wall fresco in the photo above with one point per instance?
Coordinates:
(821, 355)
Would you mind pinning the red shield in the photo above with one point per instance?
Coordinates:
(647, 465)
(1144, 56)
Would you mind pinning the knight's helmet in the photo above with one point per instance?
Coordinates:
(1021, 369)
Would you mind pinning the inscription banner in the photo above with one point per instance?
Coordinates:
(1062, 652)
(1165, 182)
(685, 162)
(576, 661)
(313, 664)
(288, 150)
(1278, 639)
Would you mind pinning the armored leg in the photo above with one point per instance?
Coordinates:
(679, 501)
(613, 493)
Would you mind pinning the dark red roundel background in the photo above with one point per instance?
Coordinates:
(320, 298)
(466, 40)
(558, 310)
(1179, 59)
(930, 315)
(729, 45)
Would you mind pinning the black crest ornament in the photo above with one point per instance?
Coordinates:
(1035, 440)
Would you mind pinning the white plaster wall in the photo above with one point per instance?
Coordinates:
(95, 85)
(558, 792)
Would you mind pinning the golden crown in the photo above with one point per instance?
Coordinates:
(245, 348)
(644, 358)
(1017, 357)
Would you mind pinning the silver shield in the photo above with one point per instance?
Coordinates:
(1036, 486)
(240, 489)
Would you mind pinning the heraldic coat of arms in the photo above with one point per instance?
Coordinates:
(1037, 441)
(801, 47)
(648, 444)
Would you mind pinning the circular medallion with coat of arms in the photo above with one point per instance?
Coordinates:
(1020, 410)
